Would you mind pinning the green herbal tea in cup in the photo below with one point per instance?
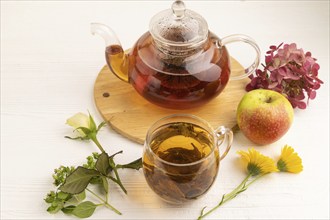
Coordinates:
(181, 156)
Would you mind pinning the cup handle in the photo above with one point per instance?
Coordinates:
(224, 135)
(248, 40)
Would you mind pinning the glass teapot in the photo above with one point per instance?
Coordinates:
(178, 63)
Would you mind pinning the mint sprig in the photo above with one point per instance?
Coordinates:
(73, 183)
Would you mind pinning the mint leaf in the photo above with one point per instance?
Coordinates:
(63, 196)
(69, 209)
(50, 197)
(77, 181)
(57, 201)
(102, 164)
(77, 198)
(56, 206)
(113, 155)
(136, 164)
(84, 209)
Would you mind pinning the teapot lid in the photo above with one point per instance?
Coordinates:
(179, 26)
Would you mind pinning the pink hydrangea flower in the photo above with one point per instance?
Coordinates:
(289, 71)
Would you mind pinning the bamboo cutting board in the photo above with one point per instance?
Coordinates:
(131, 115)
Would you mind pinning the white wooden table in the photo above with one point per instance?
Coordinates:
(49, 62)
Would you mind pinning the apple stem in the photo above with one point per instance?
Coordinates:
(235, 128)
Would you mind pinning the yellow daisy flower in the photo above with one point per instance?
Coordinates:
(289, 161)
(257, 163)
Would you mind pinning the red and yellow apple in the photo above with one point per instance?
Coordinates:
(264, 116)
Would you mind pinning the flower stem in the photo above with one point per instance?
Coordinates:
(106, 197)
(94, 139)
(118, 181)
(226, 197)
(256, 178)
(105, 203)
(237, 189)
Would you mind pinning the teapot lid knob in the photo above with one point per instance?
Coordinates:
(178, 8)
(179, 26)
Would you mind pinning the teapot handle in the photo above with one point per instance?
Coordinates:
(246, 39)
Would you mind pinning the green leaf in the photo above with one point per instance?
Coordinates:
(50, 197)
(77, 198)
(55, 207)
(86, 131)
(63, 196)
(102, 164)
(111, 161)
(105, 184)
(92, 125)
(77, 138)
(77, 181)
(113, 155)
(84, 209)
(136, 164)
(96, 180)
(101, 125)
(68, 209)
(202, 211)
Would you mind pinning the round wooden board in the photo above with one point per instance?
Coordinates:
(131, 115)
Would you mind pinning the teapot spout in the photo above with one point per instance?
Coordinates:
(109, 36)
(116, 58)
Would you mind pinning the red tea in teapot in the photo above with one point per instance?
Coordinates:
(180, 80)
(179, 63)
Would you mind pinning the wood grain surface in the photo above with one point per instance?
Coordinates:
(131, 115)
